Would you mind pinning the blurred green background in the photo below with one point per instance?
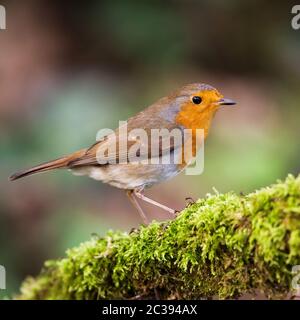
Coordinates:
(68, 70)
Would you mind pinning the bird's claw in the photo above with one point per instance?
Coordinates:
(133, 230)
(189, 201)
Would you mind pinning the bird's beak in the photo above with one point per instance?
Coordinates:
(226, 102)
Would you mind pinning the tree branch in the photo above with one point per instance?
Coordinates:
(223, 246)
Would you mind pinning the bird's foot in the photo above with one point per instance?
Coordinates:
(189, 201)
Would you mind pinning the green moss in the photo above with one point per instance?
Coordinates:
(222, 246)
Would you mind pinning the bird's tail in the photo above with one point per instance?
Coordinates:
(46, 166)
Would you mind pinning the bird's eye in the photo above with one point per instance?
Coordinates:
(197, 99)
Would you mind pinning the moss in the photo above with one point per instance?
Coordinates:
(222, 246)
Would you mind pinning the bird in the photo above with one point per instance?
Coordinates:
(190, 107)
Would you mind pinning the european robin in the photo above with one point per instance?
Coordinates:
(191, 107)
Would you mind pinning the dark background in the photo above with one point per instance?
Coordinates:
(68, 69)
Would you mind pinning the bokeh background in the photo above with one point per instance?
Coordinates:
(68, 69)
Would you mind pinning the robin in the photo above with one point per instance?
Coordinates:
(190, 107)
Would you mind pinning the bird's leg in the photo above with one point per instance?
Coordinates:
(131, 196)
(140, 195)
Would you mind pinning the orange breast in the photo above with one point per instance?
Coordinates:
(193, 117)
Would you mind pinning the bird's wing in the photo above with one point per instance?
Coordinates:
(120, 147)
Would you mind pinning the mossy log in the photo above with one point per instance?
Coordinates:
(223, 246)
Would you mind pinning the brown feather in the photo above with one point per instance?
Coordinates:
(49, 165)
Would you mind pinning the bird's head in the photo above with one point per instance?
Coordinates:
(196, 104)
